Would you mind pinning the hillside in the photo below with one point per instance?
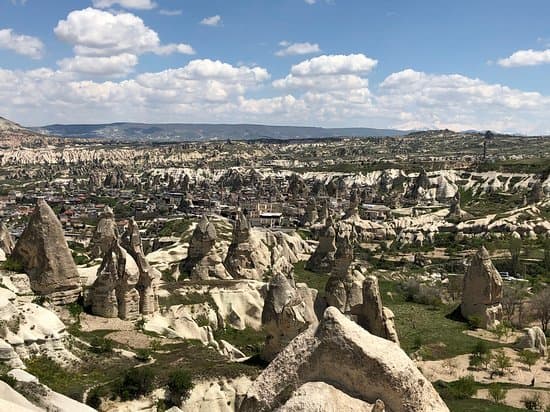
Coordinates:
(187, 132)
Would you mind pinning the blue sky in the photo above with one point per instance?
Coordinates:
(425, 64)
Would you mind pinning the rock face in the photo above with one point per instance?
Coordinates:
(126, 284)
(244, 259)
(114, 292)
(482, 291)
(105, 233)
(147, 284)
(6, 241)
(322, 260)
(310, 215)
(28, 330)
(534, 339)
(288, 311)
(364, 366)
(202, 261)
(358, 296)
(46, 258)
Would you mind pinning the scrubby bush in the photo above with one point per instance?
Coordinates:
(497, 393)
(532, 402)
(180, 384)
(136, 382)
(463, 388)
(143, 354)
(416, 292)
(101, 345)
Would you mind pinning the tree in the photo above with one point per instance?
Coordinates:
(514, 248)
(541, 308)
(481, 355)
(546, 260)
(529, 358)
(180, 384)
(136, 382)
(497, 393)
(501, 362)
(512, 302)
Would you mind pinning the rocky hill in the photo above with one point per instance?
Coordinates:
(13, 135)
(188, 132)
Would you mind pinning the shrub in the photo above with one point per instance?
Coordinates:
(101, 345)
(136, 382)
(532, 402)
(529, 358)
(464, 388)
(13, 265)
(501, 362)
(497, 393)
(180, 384)
(474, 322)
(143, 354)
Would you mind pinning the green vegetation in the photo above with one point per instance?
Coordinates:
(12, 265)
(175, 227)
(440, 336)
(477, 405)
(136, 382)
(314, 280)
(180, 384)
(248, 340)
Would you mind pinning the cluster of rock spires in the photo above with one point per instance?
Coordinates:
(105, 234)
(322, 260)
(244, 259)
(203, 262)
(6, 241)
(288, 311)
(45, 256)
(482, 291)
(370, 374)
(357, 295)
(126, 284)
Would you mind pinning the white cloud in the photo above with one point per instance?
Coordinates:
(128, 4)
(459, 102)
(166, 12)
(292, 49)
(120, 64)
(21, 44)
(310, 1)
(207, 90)
(212, 21)
(100, 34)
(526, 58)
(334, 64)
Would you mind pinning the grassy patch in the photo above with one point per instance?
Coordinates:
(313, 280)
(249, 341)
(478, 405)
(426, 328)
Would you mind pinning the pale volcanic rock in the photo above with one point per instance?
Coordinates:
(203, 262)
(6, 241)
(46, 258)
(244, 259)
(105, 233)
(147, 283)
(321, 396)
(482, 291)
(30, 330)
(358, 296)
(322, 260)
(113, 293)
(534, 339)
(288, 311)
(311, 215)
(338, 350)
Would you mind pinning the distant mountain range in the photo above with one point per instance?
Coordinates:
(192, 132)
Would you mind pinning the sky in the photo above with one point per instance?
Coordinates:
(399, 64)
